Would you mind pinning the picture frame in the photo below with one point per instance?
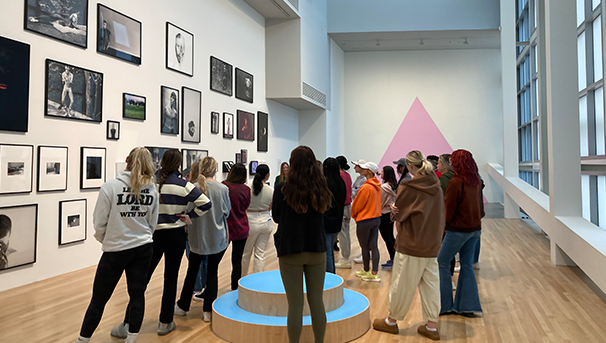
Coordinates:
(169, 109)
(92, 167)
(214, 122)
(57, 20)
(244, 154)
(253, 167)
(16, 168)
(227, 165)
(133, 106)
(221, 76)
(238, 157)
(191, 111)
(244, 85)
(14, 101)
(113, 130)
(262, 131)
(72, 221)
(52, 168)
(179, 50)
(157, 153)
(228, 125)
(246, 126)
(191, 156)
(22, 223)
(73, 92)
(118, 35)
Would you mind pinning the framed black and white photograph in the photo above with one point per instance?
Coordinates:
(192, 113)
(65, 20)
(16, 168)
(157, 153)
(72, 221)
(179, 50)
(18, 232)
(214, 122)
(244, 85)
(118, 35)
(262, 131)
(14, 85)
(253, 167)
(238, 157)
(227, 165)
(244, 154)
(228, 125)
(221, 76)
(52, 168)
(190, 157)
(113, 130)
(133, 106)
(246, 126)
(72, 92)
(92, 167)
(169, 109)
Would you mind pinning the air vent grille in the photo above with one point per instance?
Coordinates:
(314, 94)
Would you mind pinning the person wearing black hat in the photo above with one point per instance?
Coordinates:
(402, 169)
(344, 236)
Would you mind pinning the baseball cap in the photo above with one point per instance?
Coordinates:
(358, 162)
(370, 166)
(400, 162)
(343, 162)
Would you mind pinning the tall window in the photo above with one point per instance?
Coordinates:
(527, 85)
(591, 110)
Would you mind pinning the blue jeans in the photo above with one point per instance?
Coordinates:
(201, 278)
(476, 255)
(330, 252)
(466, 298)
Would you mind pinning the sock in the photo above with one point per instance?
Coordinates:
(131, 338)
(432, 330)
(390, 323)
(83, 339)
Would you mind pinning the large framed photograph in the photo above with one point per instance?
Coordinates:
(52, 168)
(133, 106)
(246, 126)
(228, 125)
(192, 113)
(157, 153)
(72, 221)
(244, 85)
(214, 122)
(113, 130)
(92, 167)
(72, 92)
(262, 130)
(18, 231)
(179, 50)
(221, 76)
(118, 35)
(169, 109)
(14, 85)
(65, 20)
(190, 157)
(16, 164)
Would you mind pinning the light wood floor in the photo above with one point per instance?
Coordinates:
(525, 299)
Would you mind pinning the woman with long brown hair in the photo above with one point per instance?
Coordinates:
(298, 205)
(283, 173)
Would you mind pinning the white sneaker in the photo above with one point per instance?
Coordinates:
(457, 269)
(120, 331)
(206, 316)
(131, 338)
(343, 264)
(454, 287)
(165, 329)
(358, 258)
(179, 311)
(199, 297)
(476, 266)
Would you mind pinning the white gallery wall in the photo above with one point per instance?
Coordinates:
(228, 30)
(460, 89)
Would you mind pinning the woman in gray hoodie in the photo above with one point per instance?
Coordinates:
(125, 217)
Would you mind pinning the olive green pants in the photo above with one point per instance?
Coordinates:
(292, 269)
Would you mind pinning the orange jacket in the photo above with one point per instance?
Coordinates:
(367, 204)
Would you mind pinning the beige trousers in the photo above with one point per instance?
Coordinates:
(408, 273)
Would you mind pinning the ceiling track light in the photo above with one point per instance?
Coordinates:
(378, 43)
(422, 43)
(465, 42)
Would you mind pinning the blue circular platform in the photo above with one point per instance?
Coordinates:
(271, 282)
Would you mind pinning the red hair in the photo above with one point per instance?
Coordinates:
(465, 168)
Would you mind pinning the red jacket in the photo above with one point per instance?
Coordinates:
(237, 222)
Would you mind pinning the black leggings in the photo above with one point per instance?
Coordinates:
(134, 262)
(386, 230)
(368, 233)
(236, 262)
(210, 293)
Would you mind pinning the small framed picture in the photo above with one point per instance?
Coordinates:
(16, 164)
(118, 35)
(179, 50)
(18, 228)
(238, 157)
(192, 113)
(214, 122)
(61, 20)
(246, 126)
(169, 108)
(227, 165)
(244, 85)
(262, 131)
(253, 167)
(228, 125)
(52, 168)
(113, 130)
(221, 76)
(133, 106)
(190, 157)
(92, 167)
(244, 153)
(72, 221)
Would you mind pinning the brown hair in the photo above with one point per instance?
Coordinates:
(282, 177)
(306, 185)
(171, 161)
(208, 168)
(141, 167)
(237, 174)
(445, 159)
(417, 159)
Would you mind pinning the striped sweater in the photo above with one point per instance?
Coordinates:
(176, 193)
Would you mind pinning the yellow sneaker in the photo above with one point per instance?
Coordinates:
(371, 277)
(362, 273)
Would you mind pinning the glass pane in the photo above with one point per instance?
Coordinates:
(536, 59)
(595, 4)
(535, 101)
(582, 61)
(535, 14)
(586, 197)
(602, 201)
(599, 122)
(580, 11)
(597, 49)
(584, 126)
(539, 140)
(535, 137)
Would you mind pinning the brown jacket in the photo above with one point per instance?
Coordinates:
(464, 206)
(420, 220)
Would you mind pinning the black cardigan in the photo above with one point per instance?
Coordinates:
(333, 218)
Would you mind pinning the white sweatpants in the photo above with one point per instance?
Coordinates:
(260, 228)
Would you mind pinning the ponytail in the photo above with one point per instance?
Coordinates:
(207, 168)
(417, 159)
(261, 173)
(141, 168)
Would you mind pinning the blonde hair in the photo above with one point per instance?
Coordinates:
(445, 159)
(417, 159)
(141, 167)
(207, 168)
(194, 171)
